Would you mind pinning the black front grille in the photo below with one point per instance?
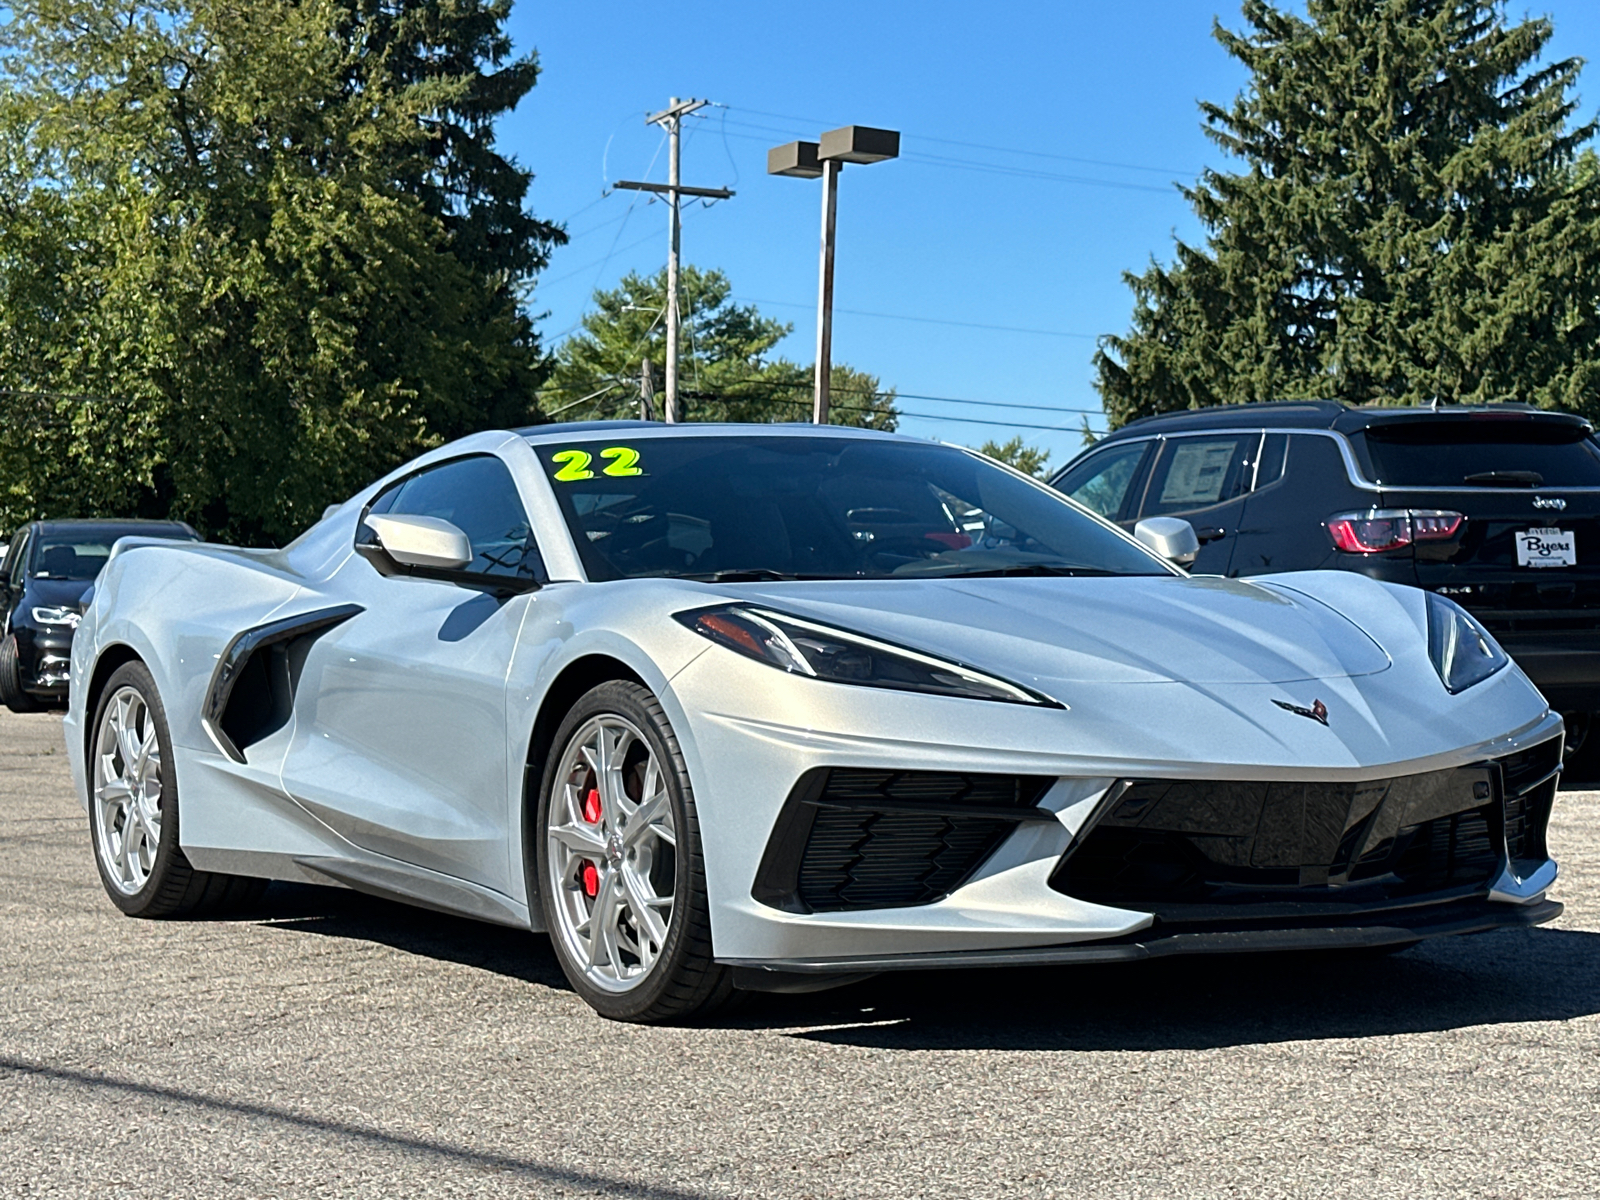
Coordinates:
(854, 839)
(1447, 852)
(1530, 788)
(1188, 850)
(864, 859)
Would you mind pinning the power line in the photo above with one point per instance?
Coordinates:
(920, 137)
(859, 312)
(927, 160)
(958, 164)
(600, 262)
(891, 397)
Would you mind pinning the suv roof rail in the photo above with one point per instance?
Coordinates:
(1329, 414)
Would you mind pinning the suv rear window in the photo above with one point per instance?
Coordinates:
(1482, 453)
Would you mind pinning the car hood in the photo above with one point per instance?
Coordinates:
(1137, 629)
(64, 592)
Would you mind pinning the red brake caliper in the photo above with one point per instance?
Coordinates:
(589, 875)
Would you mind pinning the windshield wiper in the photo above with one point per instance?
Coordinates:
(753, 575)
(1066, 570)
(1506, 478)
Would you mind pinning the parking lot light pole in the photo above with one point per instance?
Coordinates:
(809, 160)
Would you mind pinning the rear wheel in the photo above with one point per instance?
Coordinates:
(11, 693)
(133, 810)
(620, 872)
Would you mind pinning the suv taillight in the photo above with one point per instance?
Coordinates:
(1380, 529)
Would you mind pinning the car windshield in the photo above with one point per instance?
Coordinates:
(748, 508)
(1483, 452)
(80, 553)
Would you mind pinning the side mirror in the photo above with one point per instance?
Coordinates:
(1172, 538)
(425, 542)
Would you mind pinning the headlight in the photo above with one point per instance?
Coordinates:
(56, 615)
(823, 652)
(1462, 650)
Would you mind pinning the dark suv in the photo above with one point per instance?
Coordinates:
(48, 568)
(1497, 507)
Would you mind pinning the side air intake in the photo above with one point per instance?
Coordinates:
(853, 839)
(252, 690)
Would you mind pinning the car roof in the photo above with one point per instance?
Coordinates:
(134, 525)
(1328, 414)
(559, 431)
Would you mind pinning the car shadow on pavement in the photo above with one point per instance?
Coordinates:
(1181, 1003)
(1210, 1002)
(339, 913)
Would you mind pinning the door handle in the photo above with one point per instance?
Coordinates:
(1209, 534)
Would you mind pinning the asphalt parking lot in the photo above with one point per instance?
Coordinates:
(326, 1044)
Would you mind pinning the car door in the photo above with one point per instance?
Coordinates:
(13, 578)
(1204, 478)
(1108, 480)
(400, 715)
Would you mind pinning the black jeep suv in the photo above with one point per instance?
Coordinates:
(48, 568)
(1497, 507)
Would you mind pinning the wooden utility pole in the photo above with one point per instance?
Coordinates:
(647, 392)
(670, 118)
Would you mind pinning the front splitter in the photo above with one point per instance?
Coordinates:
(1449, 921)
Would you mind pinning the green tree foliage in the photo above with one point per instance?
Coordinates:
(725, 368)
(255, 253)
(1411, 223)
(1017, 453)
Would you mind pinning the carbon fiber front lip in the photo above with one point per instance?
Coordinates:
(1450, 920)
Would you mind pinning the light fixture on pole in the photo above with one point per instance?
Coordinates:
(809, 160)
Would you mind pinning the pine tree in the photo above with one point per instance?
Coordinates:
(726, 370)
(1413, 221)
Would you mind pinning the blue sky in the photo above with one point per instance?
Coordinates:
(957, 233)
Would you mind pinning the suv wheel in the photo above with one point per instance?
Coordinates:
(11, 693)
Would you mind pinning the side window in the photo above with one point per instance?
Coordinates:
(478, 496)
(17, 559)
(1269, 463)
(1101, 481)
(1198, 472)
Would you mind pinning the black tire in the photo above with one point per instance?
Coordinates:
(172, 887)
(11, 693)
(684, 982)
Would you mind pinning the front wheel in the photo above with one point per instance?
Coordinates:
(620, 872)
(11, 693)
(133, 810)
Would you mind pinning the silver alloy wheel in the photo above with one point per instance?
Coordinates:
(127, 791)
(612, 853)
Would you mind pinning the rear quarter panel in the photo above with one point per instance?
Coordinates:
(176, 606)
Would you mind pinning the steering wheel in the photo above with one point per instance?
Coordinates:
(905, 549)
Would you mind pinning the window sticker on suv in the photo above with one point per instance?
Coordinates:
(1197, 473)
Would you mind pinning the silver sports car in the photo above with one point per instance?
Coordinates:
(739, 707)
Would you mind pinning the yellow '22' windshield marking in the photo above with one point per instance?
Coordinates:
(620, 460)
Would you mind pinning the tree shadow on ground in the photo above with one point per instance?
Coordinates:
(1203, 1002)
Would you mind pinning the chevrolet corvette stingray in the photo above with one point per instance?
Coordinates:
(733, 707)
